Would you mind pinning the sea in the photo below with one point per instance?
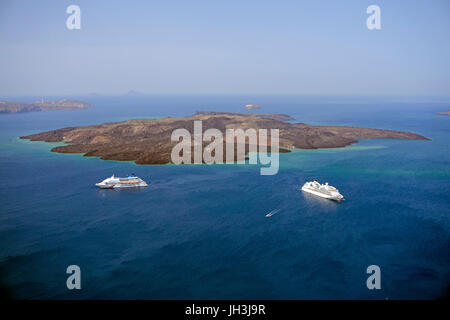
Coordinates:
(201, 231)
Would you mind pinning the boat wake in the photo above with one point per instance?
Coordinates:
(271, 213)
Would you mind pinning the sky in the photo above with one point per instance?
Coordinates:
(225, 47)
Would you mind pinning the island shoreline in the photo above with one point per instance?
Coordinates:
(148, 141)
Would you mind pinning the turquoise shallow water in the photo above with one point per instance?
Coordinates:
(200, 231)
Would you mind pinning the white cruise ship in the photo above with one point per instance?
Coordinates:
(322, 190)
(129, 182)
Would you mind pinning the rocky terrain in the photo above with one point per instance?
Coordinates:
(148, 141)
(42, 105)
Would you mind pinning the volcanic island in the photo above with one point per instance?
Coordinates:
(42, 105)
(148, 141)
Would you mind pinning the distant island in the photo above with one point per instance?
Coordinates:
(273, 116)
(130, 93)
(444, 113)
(148, 141)
(133, 93)
(42, 105)
(252, 106)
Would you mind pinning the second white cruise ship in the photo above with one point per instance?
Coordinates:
(129, 182)
(322, 190)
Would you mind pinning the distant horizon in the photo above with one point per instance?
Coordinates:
(141, 94)
(252, 98)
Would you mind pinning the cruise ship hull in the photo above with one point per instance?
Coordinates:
(116, 186)
(322, 195)
(116, 183)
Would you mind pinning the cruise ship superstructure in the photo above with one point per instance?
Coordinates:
(128, 182)
(322, 190)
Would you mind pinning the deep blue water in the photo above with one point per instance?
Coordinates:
(200, 231)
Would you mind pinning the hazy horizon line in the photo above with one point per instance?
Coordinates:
(140, 94)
